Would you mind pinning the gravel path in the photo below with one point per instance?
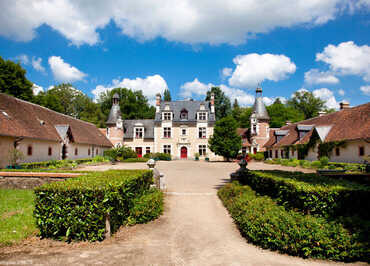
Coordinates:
(194, 230)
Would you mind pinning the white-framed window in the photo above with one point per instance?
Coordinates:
(202, 116)
(147, 150)
(202, 150)
(167, 116)
(202, 133)
(167, 149)
(254, 128)
(139, 132)
(167, 132)
(184, 114)
(183, 132)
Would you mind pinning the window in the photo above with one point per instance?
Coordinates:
(361, 151)
(183, 131)
(292, 152)
(76, 151)
(270, 152)
(167, 149)
(29, 150)
(202, 132)
(254, 129)
(167, 132)
(88, 152)
(147, 150)
(276, 154)
(139, 132)
(97, 152)
(107, 132)
(282, 153)
(184, 114)
(202, 150)
(202, 116)
(50, 151)
(337, 152)
(167, 116)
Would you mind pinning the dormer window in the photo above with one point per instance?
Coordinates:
(202, 116)
(184, 114)
(202, 107)
(167, 116)
(139, 132)
(167, 107)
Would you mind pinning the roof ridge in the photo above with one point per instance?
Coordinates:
(46, 108)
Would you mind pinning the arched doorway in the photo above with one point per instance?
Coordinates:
(184, 153)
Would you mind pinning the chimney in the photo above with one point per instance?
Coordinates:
(321, 113)
(344, 105)
(287, 123)
(158, 102)
(212, 102)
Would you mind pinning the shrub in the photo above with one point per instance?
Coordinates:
(135, 160)
(76, 209)
(270, 226)
(120, 152)
(311, 193)
(284, 162)
(259, 156)
(324, 161)
(162, 156)
(146, 207)
(316, 164)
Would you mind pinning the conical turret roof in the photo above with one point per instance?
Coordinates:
(259, 107)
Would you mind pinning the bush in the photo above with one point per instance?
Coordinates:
(324, 161)
(315, 164)
(54, 164)
(162, 156)
(311, 193)
(259, 156)
(76, 209)
(273, 227)
(147, 207)
(136, 160)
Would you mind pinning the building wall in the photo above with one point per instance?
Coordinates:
(40, 150)
(115, 135)
(83, 151)
(262, 136)
(143, 143)
(350, 153)
(6, 143)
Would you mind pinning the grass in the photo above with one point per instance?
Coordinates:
(16, 215)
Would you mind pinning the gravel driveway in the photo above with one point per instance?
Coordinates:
(194, 230)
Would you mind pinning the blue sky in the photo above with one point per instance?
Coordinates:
(322, 46)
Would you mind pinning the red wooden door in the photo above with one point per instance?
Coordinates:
(184, 153)
(139, 152)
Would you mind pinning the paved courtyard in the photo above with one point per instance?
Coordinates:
(195, 228)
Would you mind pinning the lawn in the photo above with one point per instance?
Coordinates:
(16, 215)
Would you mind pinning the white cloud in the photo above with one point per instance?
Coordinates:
(187, 21)
(36, 64)
(63, 71)
(327, 96)
(150, 86)
(270, 100)
(226, 72)
(341, 92)
(252, 69)
(198, 89)
(315, 76)
(37, 89)
(347, 59)
(365, 89)
(23, 58)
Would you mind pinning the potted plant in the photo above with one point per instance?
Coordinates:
(196, 156)
(14, 156)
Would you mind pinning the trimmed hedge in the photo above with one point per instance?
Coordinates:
(311, 193)
(62, 163)
(76, 209)
(147, 207)
(259, 156)
(271, 226)
(159, 156)
(135, 160)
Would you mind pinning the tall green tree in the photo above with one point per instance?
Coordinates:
(167, 95)
(307, 103)
(236, 111)
(133, 104)
(13, 80)
(280, 113)
(225, 141)
(222, 102)
(244, 121)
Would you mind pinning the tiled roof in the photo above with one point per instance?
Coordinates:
(347, 124)
(23, 119)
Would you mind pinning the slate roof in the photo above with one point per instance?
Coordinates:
(114, 114)
(243, 132)
(191, 106)
(347, 124)
(148, 125)
(19, 118)
(259, 109)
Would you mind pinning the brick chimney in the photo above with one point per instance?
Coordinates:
(287, 123)
(158, 102)
(321, 113)
(344, 105)
(212, 102)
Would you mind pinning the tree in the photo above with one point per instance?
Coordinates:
(280, 113)
(307, 103)
(245, 115)
(133, 104)
(236, 111)
(13, 80)
(225, 141)
(222, 102)
(167, 95)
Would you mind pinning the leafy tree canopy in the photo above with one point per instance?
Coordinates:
(13, 80)
(133, 104)
(280, 113)
(222, 102)
(167, 95)
(307, 103)
(225, 140)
